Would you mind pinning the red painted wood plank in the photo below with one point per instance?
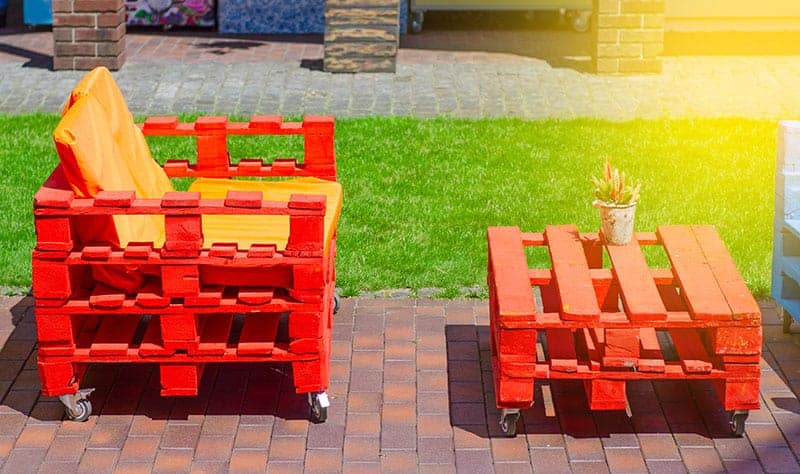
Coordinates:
(651, 358)
(152, 344)
(223, 249)
(690, 349)
(603, 394)
(571, 273)
(639, 293)
(736, 341)
(255, 296)
(740, 359)
(508, 275)
(540, 276)
(180, 379)
(699, 287)
(561, 348)
(646, 238)
(208, 296)
(258, 334)
(533, 238)
(622, 348)
(138, 250)
(151, 296)
(593, 338)
(215, 333)
(662, 276)
(106, 297)
(160, 123)
(261, 251)
(739, 298)
(114, 335)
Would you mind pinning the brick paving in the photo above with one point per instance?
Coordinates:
(411, 390)
(528, 74)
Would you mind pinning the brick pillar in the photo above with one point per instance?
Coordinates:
(361, 35)
(88, 33)
(629, 35)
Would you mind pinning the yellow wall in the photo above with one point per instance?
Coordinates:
(732, 15)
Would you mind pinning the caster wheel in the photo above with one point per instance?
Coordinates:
(738, 419)
(508, 424)
(335, 304)
(580, 21)
(319, 407)
(417, 18)
(83, 409)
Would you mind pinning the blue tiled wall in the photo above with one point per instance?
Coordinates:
(279, 16)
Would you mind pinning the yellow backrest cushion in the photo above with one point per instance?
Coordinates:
(102, 149)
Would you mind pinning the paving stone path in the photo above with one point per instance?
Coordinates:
(172, 74)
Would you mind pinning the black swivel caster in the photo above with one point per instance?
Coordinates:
(319, 404)
(335, 304)
(738, 418)
(77, 406)
(508, 422)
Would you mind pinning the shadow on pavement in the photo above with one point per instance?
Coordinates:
(36, 60)
(257, 392)
(682, 408)
(542, 36)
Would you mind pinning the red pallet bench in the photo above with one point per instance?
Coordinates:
(128, 270)
(606, 324)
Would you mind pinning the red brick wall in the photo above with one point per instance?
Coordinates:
(88, 33)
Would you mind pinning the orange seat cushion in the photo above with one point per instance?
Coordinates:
(247, 230)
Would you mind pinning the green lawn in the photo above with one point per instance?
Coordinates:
(419, 194)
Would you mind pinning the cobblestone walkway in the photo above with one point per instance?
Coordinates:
(411, 391)
(245, 76)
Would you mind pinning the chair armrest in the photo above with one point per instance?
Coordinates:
(213, 159)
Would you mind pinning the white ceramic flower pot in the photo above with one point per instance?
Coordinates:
(616, 222)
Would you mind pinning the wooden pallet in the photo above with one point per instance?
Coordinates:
(622, 322)
(191, 318)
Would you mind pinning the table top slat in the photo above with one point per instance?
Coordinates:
(571, 272)
(692, 271)
(508, 274)
(739, 298)
(639, 293)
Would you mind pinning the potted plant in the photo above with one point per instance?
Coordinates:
(616, 196)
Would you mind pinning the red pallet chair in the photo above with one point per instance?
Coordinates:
(126, 269)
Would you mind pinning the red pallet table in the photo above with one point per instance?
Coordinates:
(606, 324)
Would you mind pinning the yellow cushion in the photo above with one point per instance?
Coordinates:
(247, 230)
(151, 181)
(98, 82)
(102, 149)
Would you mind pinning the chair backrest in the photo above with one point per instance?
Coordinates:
(102, 149)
